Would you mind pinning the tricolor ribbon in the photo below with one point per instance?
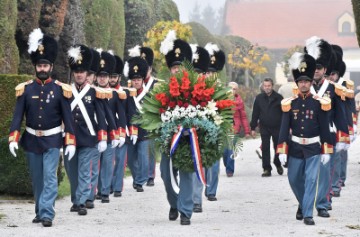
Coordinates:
(195, 152)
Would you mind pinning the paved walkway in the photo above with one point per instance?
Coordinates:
(248, 205)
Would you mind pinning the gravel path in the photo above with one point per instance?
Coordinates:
(248, 205)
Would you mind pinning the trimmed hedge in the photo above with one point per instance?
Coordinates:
(14, 174)
(356, 8)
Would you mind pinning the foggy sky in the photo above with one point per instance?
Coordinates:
(187, 6)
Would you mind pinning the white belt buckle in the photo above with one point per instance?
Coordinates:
(39, 133)
(303, 141)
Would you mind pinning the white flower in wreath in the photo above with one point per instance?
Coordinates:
(218, 120)
(175, 114)
(164, 118)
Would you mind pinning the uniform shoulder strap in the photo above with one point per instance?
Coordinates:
(121, 93)
(67, 92)
(103, 93)
(286, 103)
(132, 91)
(20, 89)
(325, 102)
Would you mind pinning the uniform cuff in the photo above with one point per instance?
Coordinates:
(14, 136)
(327, 148)
(122, 132)
(342, 136)
(351, 130)
(114, 135)
(102, 135)
(133, 130)
(282, 148)
(69, 139)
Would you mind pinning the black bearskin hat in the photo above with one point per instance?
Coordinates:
(303, 66)
(119, 65)
(107, 63)
(42, 48)
(217, 57)
(319, 49)
(95, 64)
(136, 67)
(175, 50)
(144, 52)
(80, 58)
(342, 69)
(201, 59)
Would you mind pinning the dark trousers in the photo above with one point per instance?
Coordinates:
(266, 134)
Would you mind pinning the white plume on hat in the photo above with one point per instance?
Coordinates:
(99, 50)
(110, 51)
(312, 46)
(126, 69)
(168, 43)
(195, 55)
(295, 60)
(74, 53)
(135, 52)
(35, 39)
(211, 48)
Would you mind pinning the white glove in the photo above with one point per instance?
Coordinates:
(325, 158)
(340, 146)
(347, 146)
(354, 137)
(13, 146)
(351, 138)
(114, 143)
(70, 151)
(283, 158)
(133, 138)
(122, 141)
(102, 146)
(355, 129)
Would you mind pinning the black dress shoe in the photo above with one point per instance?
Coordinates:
(36, 220)
(98, 196)
(184, 220)
(267, 173)
(150, 182)
(173, 214)
(329, 207)
(309, 221)
(299, 215)
(342, 184)
(82, 210)
(89, 204)
(197, 208)
(139, 188)
(117, 194)
(74, 208)
(47, 222)
(323, 213)
(105, 199)
(212, 198)
(336, 194)
(280, 170)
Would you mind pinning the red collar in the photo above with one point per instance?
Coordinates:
(139, 91)
(302, 96)
(117, 87)
(40, 82)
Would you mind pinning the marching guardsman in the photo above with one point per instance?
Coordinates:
(136, 69)
(114, 114)
(309, 141)
(345, 89)
(94, 67)
(176, 51)
(149, 81)
(45, 104)
(321, 50)
(120, 151)
(200, 62)
(91, 133)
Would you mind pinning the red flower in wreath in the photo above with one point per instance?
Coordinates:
(174, 87)
(222, 104)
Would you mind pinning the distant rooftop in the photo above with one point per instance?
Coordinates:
(281, 24)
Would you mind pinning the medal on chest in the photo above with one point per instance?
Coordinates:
(295, 112)
(87, 99)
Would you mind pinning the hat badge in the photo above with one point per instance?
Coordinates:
(177, 52)
(41, 48)
(213, 59)
(102, 63)
(143, 55)
(136, 68)
(79, 61)
(302, 67)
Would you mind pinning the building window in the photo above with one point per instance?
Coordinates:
(346, 27)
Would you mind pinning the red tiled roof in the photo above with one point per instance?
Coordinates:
(280, 24)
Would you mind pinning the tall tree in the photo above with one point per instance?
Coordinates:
(356, 8)
(195, 14)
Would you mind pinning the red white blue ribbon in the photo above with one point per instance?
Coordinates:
(196, 156)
